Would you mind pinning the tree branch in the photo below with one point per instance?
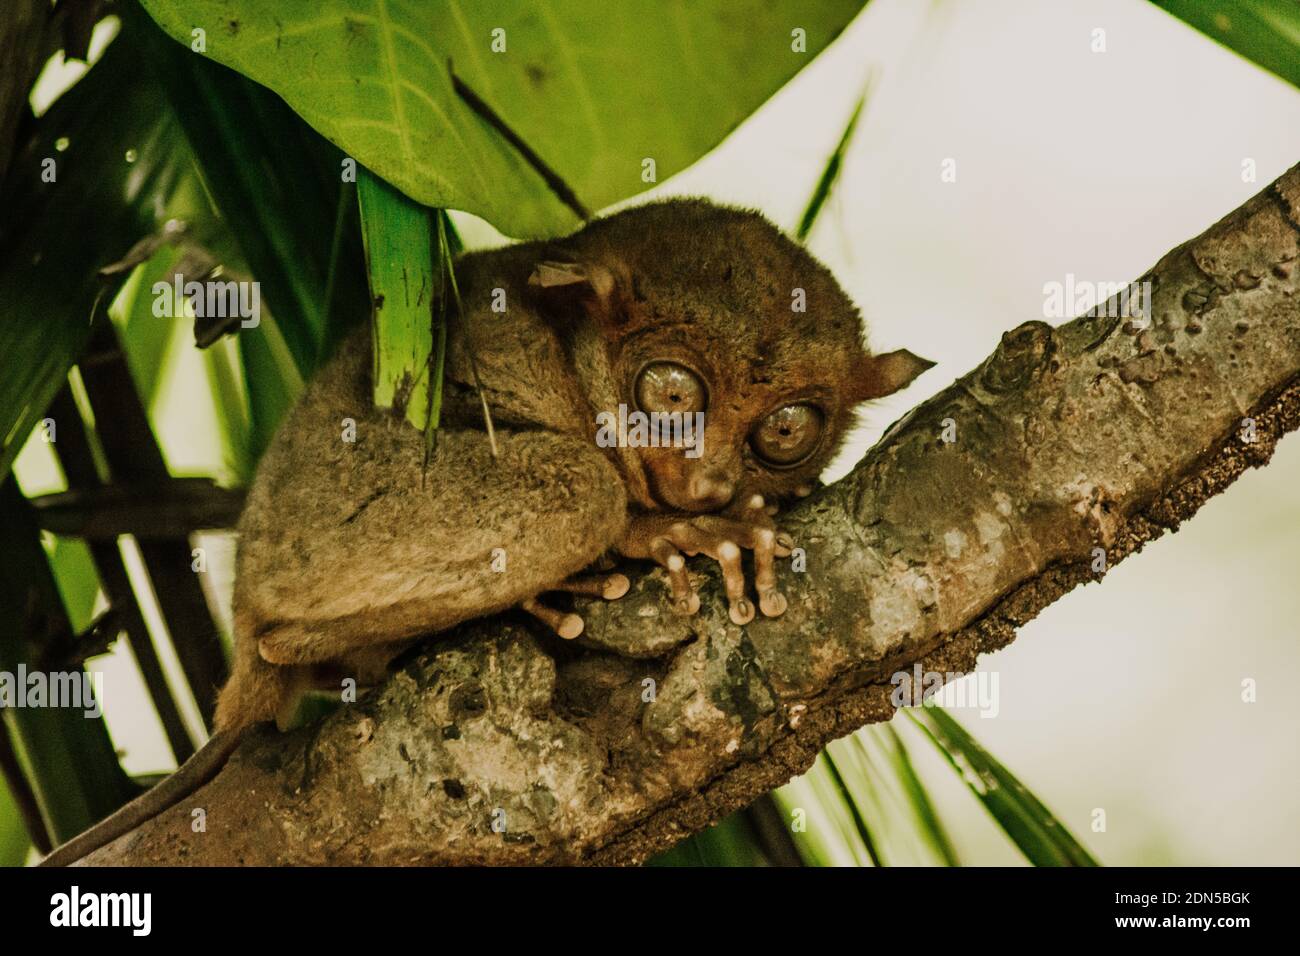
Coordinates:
(497, 745)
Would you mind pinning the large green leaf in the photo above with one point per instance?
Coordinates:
(592, 89)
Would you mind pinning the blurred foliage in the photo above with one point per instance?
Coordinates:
(1266, 32)
(730, 842)
(864, 803)
(13, 838)
(74, 573)
(276, 185)
(71, 762)
(1042, 838)
(832, 170)
(106, 154)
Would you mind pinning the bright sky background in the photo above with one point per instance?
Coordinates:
(1123, 696)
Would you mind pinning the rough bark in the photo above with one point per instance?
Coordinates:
(494, 744)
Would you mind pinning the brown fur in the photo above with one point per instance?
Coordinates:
(347, 551)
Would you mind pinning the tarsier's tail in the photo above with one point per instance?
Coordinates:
(255, 692)
(191, 775)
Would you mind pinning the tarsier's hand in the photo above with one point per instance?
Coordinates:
(666, 538)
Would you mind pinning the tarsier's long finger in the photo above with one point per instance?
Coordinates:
(685, 600)
(719, 546)
(744, 532)
(770, 601)
(568, 626)
(740, 610)
(767, 545)
(784, 545)
(611, 587)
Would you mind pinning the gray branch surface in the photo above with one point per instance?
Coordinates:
(496, 745)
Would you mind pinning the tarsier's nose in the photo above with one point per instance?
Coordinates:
(710, 490)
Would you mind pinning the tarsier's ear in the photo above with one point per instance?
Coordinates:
(881, 375)
(565, 284)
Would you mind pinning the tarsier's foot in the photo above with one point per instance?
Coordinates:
(721, 538)
(611, 587)
(568, 625)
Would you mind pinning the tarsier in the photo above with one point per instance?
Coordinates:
(349, 550)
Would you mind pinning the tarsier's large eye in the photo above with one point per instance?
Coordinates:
(669, 387)
(788, 435)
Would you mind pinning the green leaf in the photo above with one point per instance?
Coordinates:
(1042, 838)
(273, 382)
(831, 172)
(76, 577)
(400, 258)
(592, 90)
(275, 183)
(927, 819)
(222, 362)
(1266, 32)
(14, 842)
(850, 804)
(145, 337)
(117, 167)
(727, 843)
(68, 756)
